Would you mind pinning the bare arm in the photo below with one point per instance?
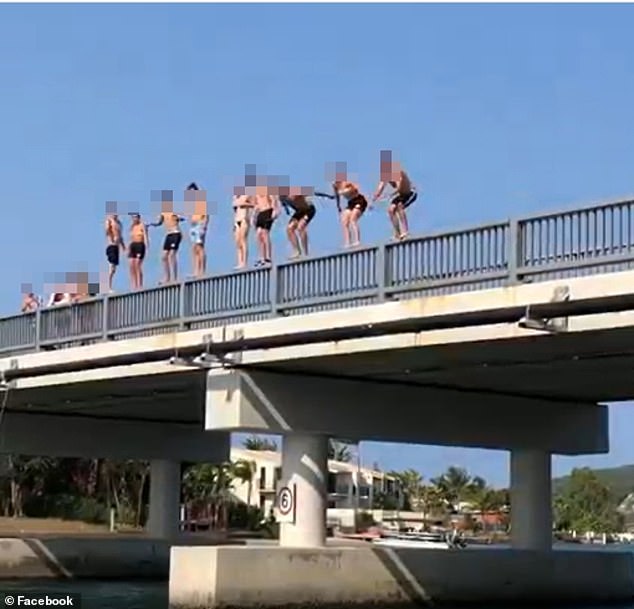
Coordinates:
(158, 222)
(335, 189)
(379, 191)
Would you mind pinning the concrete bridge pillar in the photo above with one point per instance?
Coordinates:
(304, 473)
(531, 497)
(165, 491)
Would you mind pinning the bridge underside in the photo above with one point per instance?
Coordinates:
(560, 377)
(592, 367)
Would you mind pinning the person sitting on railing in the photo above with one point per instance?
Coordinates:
(355, 208)
(242, 206)
(199, 221)
(405, 194)
(266, 211)
(295, 201)
(30, 302)
(173, 236)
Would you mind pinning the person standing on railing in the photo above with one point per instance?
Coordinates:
(173, 237)
(242, 207)
(266, 211)
(297, 205)
(199, 221)
(114, 241)
(139, 244)
(404, 193)
(356, 204)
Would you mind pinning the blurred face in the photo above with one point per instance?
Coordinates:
(167, 207)
(136, 219)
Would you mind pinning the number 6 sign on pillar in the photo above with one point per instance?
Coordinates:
(285, 504)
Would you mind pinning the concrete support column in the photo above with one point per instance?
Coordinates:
(165, 490)
(305, 468)
(531, 496)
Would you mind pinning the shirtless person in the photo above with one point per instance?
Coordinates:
(114, 243)
(355, 207)
(295, 200)
(139, 244)
(173, 238)
(404, 195)
(266, 210)
(242, 206)
(198, 227)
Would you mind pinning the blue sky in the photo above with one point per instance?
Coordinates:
(496, 110)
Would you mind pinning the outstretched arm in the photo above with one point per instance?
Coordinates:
(335, 189)
(158, 222)
(379, 191)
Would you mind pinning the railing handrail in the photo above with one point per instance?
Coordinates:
(366, 274)
(586, 207)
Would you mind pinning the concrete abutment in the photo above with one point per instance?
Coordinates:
(209, 577)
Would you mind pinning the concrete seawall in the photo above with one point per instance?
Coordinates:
(50, 557)
(225, 576)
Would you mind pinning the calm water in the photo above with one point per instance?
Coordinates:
(130, 595)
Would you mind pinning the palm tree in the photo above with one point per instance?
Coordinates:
(338, 451)
(454, 486)
(259, 443)
(244, 470)
(411, 482)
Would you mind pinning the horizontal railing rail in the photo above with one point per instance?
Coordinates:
(593, 239)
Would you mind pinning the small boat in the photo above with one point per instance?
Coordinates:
(430, 541)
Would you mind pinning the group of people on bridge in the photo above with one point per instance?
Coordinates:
(257, 203)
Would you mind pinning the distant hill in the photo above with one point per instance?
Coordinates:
(619, 479)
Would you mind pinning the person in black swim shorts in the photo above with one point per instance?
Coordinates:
(266, 211)
(173, 237)
(139, 244)
(404, 193)
(114, 243)
(297, 204)
(355, 208)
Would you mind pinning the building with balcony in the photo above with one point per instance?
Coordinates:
(350, 486)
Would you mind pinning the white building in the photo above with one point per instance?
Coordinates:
(376, 490)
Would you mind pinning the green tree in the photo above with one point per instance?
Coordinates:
(584, 503)
(244, 470)
(411, 483)
(339, 451)
(455, 486)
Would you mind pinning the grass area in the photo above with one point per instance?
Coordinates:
(33, 526)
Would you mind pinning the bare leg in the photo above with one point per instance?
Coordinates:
(133, 275)
(166, 267)
(111, 274)
(174, 264)
(195, 260)
(355, 233)
(266, 246)
(259, 235)
(139, 274)
(393, 213)
(303, 236)
(292, 238)
(203, 261)
(345, 224)
(402, 215)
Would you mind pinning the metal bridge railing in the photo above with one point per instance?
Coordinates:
(594, 239)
